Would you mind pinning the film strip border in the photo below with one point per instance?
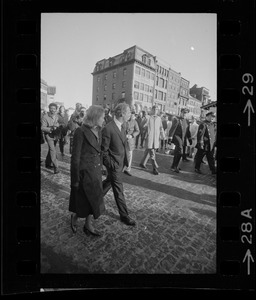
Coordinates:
(236, 148)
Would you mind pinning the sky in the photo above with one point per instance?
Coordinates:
(72, 43)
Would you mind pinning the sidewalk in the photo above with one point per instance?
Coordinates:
(175, 216)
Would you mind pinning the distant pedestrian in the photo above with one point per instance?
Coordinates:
(206, 138)
(63, 125)
(169, 125)
(164, 139)
(154, 132)
(177, 135)
(114, 149)
(107, 117)
(50, 127)
(132, 131)
(86, 198)
(138, 120)
(193, 128)
(75, 121)
(143, 128)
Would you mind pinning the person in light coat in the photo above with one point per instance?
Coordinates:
(154, 132)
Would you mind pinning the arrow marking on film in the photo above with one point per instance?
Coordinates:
(250, 258)
(250, 108)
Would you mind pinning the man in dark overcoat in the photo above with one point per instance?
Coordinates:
(206, 137)
(178, 133)
(114, 151)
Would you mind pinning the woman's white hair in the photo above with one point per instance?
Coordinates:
(93, 114)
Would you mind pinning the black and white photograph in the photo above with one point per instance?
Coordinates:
(128, 164)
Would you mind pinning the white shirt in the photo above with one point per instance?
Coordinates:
(118, 123)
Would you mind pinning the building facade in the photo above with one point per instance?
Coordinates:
(173, 92)
(161, 85)
(141, 79)
(183, 94)
(194, 106)
(47, 94)
(129, 76)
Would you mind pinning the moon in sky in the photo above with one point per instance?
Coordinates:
(192, 48)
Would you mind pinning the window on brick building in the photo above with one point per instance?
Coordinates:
(143, 72)
(136, 84)
(123, 84)
(105, 76)
(123, 95)
(113, 86)
(141, 96)
(114, 74)
(147, 74)
(136, 95)
(124, 71)
(105, 97)
(142, 86)
(137, 70)
(105, 87)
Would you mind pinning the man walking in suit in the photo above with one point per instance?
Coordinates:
(114, 150)
(154, 131)
(178, 133)
(206, 137)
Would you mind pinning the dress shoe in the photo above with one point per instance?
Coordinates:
(143, 167)
(155, 172)
(177, 170)
(128, 221)
(49, 167)
(89, 232)
(56, 171)
(72, 224)
(185, 159)
(198, 171)
(127, 173)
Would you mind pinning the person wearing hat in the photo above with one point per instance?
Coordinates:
(206, 136)
(178, 133)
(154, 129)
(50, 127)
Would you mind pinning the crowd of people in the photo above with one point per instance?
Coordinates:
(101, 142)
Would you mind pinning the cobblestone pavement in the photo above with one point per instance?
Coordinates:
(175, 216)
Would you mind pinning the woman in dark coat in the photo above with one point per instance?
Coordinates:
(86, 198)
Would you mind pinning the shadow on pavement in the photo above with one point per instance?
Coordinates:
(171, 190)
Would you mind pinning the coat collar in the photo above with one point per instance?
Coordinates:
(122, 136)
(89, 135)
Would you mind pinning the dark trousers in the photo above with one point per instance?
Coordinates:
(210, 158)
(114, 180)
(137, 140)
(51, 158)
(62, 144)
(177, 141)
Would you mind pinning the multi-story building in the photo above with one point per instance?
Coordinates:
(194, 106)
(141, 80)
(183, 94)
(43, 90)
(47, 94)
(201, 93)
(128, 76)
(161, 84)
(173, 92)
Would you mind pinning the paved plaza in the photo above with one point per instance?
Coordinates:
(175, 215)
